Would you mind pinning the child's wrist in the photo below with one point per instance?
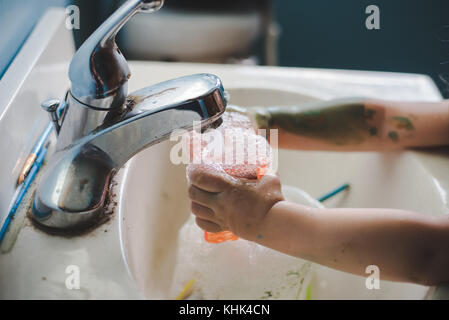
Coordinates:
(256, 231)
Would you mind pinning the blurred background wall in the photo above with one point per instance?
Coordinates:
(332, 34)
(302, 33)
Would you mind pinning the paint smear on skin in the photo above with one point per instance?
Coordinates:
(373, 131)
(338, 122)
(369, 114)
(403, 123)
(393, 135)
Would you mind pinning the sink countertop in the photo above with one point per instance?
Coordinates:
(35, 267)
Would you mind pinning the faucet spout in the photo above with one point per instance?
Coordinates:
(73, 191)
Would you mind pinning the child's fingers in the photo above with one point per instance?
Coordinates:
(208, 225)
(207, 177)
(202, 197)
(202, 212)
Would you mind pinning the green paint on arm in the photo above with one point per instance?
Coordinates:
(393, 135)
(369, 113)
(339, 122)
(403, 123)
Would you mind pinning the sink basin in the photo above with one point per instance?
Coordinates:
(153, 204)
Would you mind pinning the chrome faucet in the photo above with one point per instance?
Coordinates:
(103, 126)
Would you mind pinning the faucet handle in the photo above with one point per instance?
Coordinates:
(99, 72)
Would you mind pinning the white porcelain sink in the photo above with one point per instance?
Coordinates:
(154, 206)
(152, 199)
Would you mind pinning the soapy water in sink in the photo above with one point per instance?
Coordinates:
(239, 269)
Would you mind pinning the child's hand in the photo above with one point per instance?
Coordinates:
(221, 202)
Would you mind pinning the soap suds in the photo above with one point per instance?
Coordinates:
(234, 148)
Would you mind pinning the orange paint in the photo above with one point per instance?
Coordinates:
(219, 237)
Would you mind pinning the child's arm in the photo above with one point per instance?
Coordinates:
(405, 246)
(357, 124)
